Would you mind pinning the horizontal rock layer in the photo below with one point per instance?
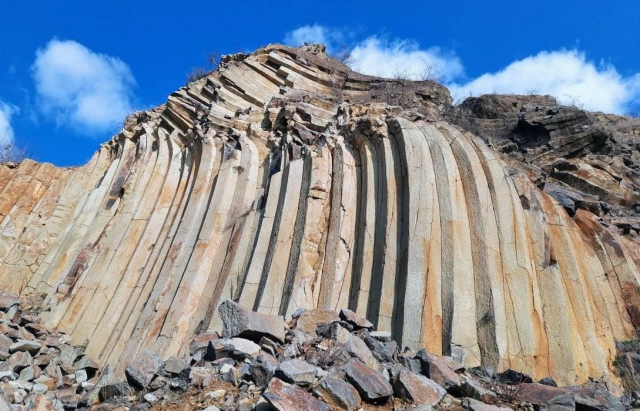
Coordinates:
(284, 181)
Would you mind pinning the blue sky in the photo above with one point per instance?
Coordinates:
(69, 71)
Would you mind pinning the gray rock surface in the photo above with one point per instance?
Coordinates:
(372, 386)
(143, 369)
(241, 322)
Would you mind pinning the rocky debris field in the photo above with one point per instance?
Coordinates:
(318, 360)
(40, 369)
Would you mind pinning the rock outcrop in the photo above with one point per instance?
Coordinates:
(283, 180)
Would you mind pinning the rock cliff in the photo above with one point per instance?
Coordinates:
(500, 231)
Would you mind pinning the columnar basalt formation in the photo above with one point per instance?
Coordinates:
(283, 180)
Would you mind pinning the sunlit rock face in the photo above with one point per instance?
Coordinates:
(285, 181)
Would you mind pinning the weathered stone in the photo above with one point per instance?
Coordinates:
(202, 376)
(263, 369)
(371, 384)
(8, 300)
(243, 347)
(473, 389)
(68, 355)
(596, 399)
(241, 322)
(418, 389)
(358, 349)
(355, 319)
(86, 363)
(150, 398)
(201, 342)
(143, 369)
(475, 405)
(437, 370)
(113, 391)
(286, 397)
(539, 394)
(20, 360)
(23, 345)
(548, 381)
(176, 365)
(338, 394)
(30, 373)
(309, 321)
(514, 377)
(297, 372)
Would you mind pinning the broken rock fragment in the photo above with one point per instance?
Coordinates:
(143, 369)
(287, 397)
(297, 371)
(241, 322)
(355, 319)
(418, 389)
(371, 384)
(339, 394)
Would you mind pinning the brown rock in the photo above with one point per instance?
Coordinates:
(308, 321)
(417, 388)
(439, 371)
(241, 322)
(339, 394)
(355, 319)
(287, 397)
(371, 384)
(8, 300)
(143, 369)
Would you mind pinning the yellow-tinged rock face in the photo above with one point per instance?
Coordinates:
(283, 181)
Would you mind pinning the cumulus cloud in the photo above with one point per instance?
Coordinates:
(7, 135)
(308, 34)
(379, 57)
(564, 74)
(75, 86)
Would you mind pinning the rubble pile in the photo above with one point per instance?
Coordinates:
(322, 360)
(40, 369)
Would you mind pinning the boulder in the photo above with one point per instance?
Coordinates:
(355, 319)
(297, 372)
(309, 321)
(176, 365)
(113, 391)
(241, 322)
(143, 369)
(287, 397)
(371, 384)
(339, 394)
(201, 342)
(243, 348)
(24, 345)
(417, 388)
(8, 300)
(358, 349)
(513, 377)
(439, 371)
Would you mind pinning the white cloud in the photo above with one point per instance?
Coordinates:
(380, 57)
(75, 86)
(308, 34)
(564, 74)
(7, 136)
(383, 58)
